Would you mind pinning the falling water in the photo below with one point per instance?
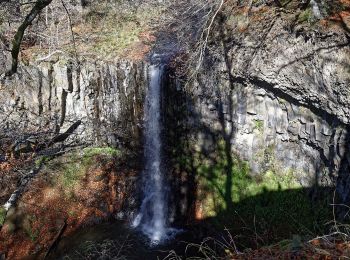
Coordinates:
(152, 218)
(315, 9)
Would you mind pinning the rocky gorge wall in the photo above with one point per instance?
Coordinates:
(272, 133)
(274, 95)
(107, 98)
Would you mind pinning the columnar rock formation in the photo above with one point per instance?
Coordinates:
(277, 96)
(106, 97)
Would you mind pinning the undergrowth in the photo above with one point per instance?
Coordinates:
(75, 169)
(264, 208)
(116, 30)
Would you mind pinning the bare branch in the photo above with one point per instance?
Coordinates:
(16, 44)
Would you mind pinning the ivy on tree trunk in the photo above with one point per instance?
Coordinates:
(17, 40)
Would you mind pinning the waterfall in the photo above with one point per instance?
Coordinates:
(315, 9)
(152, 218)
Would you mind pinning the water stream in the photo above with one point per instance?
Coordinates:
(152, 218)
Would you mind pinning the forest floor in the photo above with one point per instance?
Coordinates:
(69, 192)
(318, 248)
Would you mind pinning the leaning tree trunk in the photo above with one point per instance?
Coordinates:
(17, 40)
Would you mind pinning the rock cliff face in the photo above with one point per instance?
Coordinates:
(107, 98)
(278, 97)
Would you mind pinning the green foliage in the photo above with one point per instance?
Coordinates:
(259, 125)
(272, 201)
(72, 174)
(305, 16)
(32, 234)
(2, 216)
(41, 160)
(74, 170)
(72, 213)
(108, 151)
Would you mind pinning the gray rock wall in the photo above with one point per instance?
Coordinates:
(310, 65)
(107, 98)
(278, 95)
(271, 132)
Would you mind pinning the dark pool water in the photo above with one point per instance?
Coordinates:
(117, 240)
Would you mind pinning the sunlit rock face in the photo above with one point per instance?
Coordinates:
(106, 97)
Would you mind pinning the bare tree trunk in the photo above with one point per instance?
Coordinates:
(17, 40)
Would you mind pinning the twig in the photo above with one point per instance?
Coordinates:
(208, 29)
(71, 30)
(330, 235)
(56, 239)
(48, 56)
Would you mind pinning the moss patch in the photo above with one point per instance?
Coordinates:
(271, 205)
(2, 216)
(41, 160)
(72, 174)
(305, 16)
(108, 151)
(74, 170)
(214, 175)
(259, 125)
(29, 229)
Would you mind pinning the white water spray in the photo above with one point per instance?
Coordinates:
(152, 218)
(316, 9)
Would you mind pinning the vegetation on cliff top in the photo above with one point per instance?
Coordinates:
(110, 29)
